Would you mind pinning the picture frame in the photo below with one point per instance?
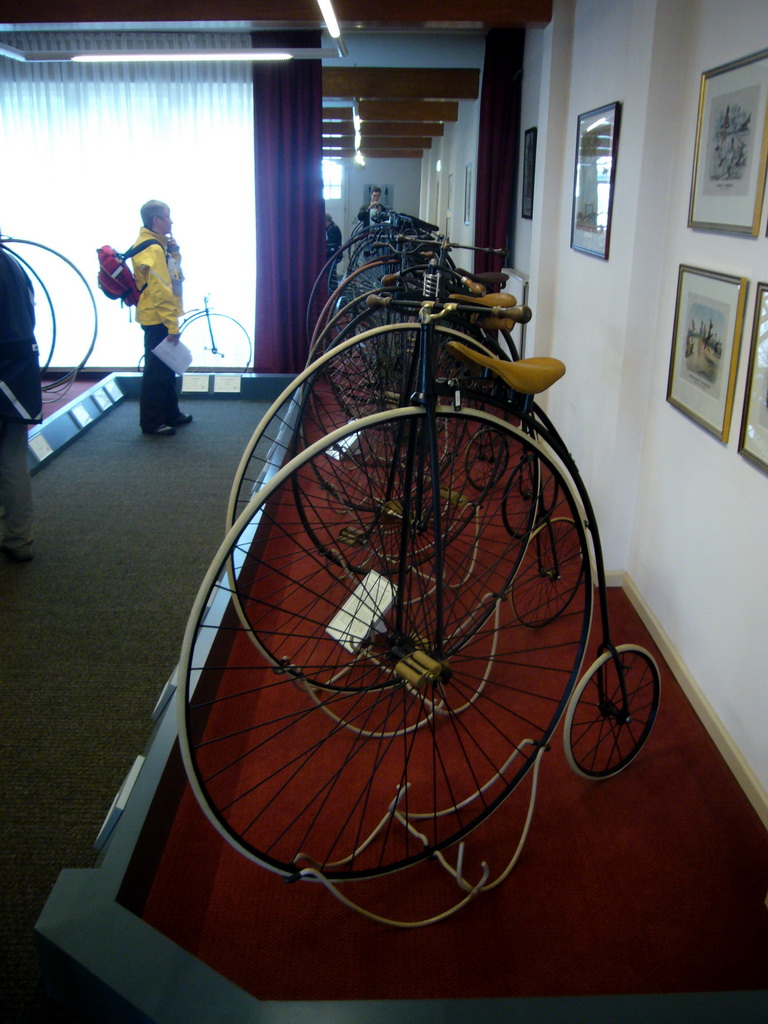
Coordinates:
(594, 179)
(729, 161)
(709, 316)
(753, 439)
(529, 173)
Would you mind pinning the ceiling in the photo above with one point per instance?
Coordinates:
(403, 110)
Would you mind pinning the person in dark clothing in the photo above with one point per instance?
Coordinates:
(374, 210)
(332, 245)
(21, 403)
(332, 236)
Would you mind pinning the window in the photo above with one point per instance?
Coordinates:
(98, 141)
(333, 178)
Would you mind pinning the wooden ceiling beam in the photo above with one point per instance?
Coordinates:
(380, 142)
(404, 142)
(381, 146)
(399, 128)
(401, 83)
(376, 154)
(337, 114)
(409, 110)
(449, 13)
(262, 14)
(402, 128)
(386, 154)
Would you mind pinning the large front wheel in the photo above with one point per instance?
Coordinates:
(367, 696)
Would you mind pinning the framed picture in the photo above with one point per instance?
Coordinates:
(753, 441)
(731, 145)
(597, 143)
(529, 172)
(709, 315)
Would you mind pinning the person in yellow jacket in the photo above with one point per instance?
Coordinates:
(157, 270)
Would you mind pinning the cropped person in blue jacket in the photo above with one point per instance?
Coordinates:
(20, 404)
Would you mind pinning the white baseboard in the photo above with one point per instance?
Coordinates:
(724, 742)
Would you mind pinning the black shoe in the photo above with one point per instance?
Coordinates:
(163, 431)
(182, 420)
(16, 554)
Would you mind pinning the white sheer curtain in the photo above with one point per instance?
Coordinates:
(85, 145)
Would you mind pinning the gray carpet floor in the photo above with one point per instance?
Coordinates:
(90, 631)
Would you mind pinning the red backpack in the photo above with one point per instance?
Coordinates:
(115, 278)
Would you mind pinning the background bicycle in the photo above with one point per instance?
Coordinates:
(218, 342)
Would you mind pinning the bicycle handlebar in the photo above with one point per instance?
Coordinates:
(472, 286)
(514, 313)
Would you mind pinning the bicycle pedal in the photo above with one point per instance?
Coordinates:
(392, 509)
(353, 535)
(418, 668)
(453, 497)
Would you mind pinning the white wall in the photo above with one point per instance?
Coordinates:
(680, 512)
(449, 194)
(446, 193)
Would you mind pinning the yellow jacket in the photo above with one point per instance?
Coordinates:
(158, 277)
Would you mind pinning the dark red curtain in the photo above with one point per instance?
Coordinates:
(498, 141)
(290, 218)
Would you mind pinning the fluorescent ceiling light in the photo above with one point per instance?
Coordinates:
(329, 16)
(168, 55)
(358, 125)
(157, 56)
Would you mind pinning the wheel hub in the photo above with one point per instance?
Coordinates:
(610, 710)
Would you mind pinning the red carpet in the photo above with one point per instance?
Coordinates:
(653, 881)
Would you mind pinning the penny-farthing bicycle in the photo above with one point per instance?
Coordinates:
(360, 688)
(370, 367)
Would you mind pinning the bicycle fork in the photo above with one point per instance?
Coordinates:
(422, 510)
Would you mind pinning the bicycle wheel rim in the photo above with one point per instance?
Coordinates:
(308, 749)
(275, 437)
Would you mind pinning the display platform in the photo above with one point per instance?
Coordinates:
(64, 426)
(107, 962)
(108, 952)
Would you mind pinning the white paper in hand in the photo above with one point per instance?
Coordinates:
(177, 355)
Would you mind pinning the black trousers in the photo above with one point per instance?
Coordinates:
(159, 402)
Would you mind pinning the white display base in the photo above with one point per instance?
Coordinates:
(64, 426)
(118, 804)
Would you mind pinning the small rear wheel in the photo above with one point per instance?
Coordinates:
(605, 724)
